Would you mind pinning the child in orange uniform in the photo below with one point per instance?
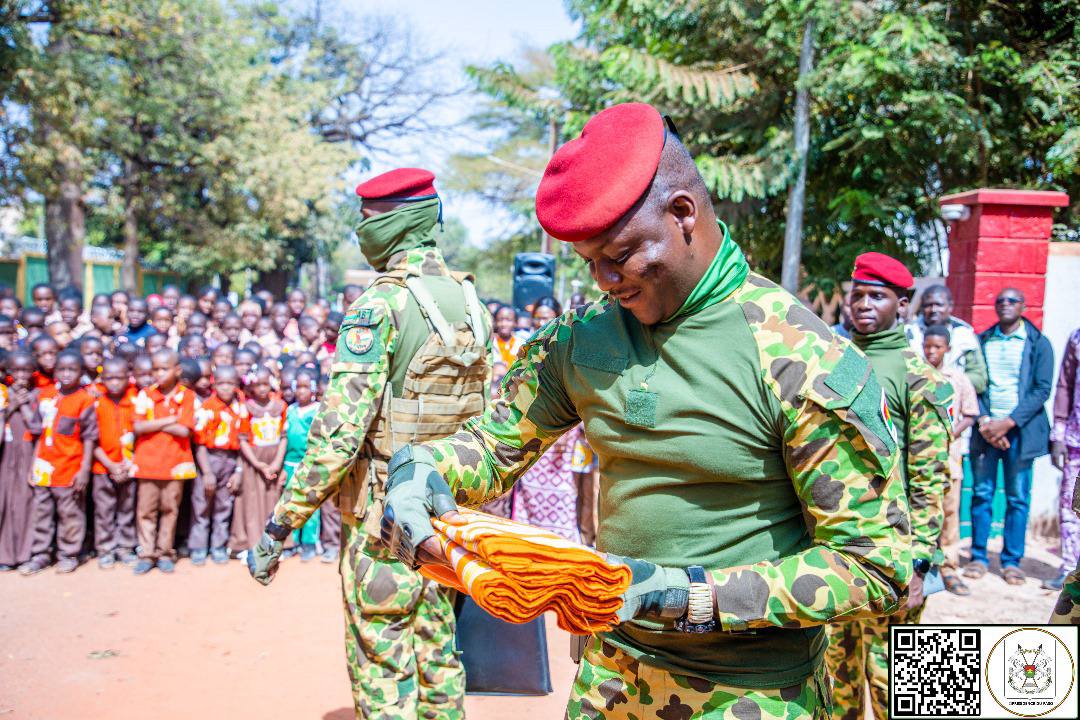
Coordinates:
(61, 470)
(45, 350)
(164, 421)
(221, 437)
(114, 489)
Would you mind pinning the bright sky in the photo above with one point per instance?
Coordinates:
(471, 31)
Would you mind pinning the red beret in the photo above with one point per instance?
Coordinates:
(594, 179)
(874, 268)
(399, 184)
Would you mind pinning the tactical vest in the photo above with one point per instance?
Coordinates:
(446, 383)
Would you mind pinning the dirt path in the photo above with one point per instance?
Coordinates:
(205, 642)
(208, 642)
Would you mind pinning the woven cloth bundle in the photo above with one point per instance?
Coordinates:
(516, 572)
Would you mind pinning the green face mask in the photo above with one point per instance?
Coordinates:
(409, 226)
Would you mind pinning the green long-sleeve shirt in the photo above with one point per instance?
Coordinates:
(740, 436)
(919, 398)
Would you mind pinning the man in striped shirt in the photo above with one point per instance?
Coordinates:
(1013, 430)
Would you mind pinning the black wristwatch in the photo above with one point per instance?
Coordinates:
(700, 616)
(278, 532)
(922, 566)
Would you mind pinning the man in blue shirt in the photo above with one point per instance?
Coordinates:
(1013, 430)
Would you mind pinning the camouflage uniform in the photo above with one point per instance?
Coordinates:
(682, 458)
(1067, 609)
(399, 626)
(615, 686)
(858, 651)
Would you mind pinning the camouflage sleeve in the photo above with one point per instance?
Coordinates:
(859, 562)
(928, 461)
(489, 453)
(844, 466)
(357, 377)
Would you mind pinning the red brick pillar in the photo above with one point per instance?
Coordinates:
(1000, 239)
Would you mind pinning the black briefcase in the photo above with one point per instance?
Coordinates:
(501, 658)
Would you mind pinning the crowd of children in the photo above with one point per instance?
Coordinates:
(143, 426)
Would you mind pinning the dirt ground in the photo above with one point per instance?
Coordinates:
(210, 643)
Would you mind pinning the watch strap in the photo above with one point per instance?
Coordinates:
(700, 605)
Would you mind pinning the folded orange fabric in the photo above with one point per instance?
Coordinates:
(517, 572)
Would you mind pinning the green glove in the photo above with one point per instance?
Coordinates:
(655, 590)
(415, 492)
(263, 559)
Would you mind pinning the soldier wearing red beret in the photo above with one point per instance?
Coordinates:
(916, 399)
(411, 360)
(736, 438)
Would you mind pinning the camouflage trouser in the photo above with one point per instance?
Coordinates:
(614, 686)
(399, 635)
(1067, 609)
(858, 653)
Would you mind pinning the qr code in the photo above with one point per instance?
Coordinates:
(935, 672)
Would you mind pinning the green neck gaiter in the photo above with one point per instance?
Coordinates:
(892, 339)
(726, 273)
(404, 228)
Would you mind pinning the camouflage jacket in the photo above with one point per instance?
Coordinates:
(745, 438)
(919, 398)
(379, 336)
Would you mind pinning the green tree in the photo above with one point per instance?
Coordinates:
(907, 101)
(48, 78)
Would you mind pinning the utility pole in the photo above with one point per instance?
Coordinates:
(793, 227)
(553, 145)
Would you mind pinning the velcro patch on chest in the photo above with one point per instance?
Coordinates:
(641, 408)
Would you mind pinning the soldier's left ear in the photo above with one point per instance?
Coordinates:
(683, 208)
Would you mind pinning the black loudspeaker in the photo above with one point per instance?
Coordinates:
(534, 277)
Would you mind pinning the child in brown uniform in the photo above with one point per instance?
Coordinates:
(262, 448)
(21, 428)
(221, 438)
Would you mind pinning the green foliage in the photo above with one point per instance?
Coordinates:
(910, 101)
(212, 134)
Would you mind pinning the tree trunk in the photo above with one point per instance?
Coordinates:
(553, 145)
(793, 227)
(65, 227)
(129, 269)
(276, 281)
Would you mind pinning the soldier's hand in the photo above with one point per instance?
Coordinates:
(915, 591)
(263, 560)
(661, 592)
(415, 492)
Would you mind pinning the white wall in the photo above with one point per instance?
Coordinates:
(1061, 315)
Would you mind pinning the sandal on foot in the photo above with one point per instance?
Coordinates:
(955, 585)
(975, 569)
(1014, 576)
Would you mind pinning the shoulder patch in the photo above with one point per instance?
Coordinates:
(367, 316)
(848, 374)
(359, 339)
(592, 327)
(362, 337)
